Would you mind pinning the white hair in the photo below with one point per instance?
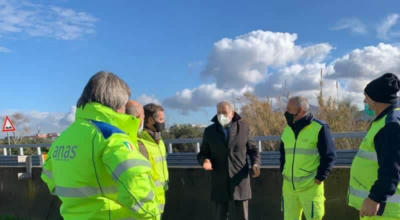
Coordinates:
(228, 103)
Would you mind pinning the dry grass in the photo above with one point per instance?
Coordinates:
(264, 120)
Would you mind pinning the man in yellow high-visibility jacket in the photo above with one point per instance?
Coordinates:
(93, 167)
(375, 171)
(151, 138)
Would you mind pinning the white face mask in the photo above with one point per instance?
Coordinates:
(141, 128)
(223, 119)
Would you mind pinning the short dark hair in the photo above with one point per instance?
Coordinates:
(150, 110)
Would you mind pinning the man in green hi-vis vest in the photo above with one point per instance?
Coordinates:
(375, 172)
(307, 157)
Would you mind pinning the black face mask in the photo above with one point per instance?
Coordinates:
(290, 118)
(159, 126)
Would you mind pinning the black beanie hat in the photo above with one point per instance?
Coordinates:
(384, 89)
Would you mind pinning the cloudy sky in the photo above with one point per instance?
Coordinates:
(188, 55)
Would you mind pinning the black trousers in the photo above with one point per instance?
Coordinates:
(241, 210)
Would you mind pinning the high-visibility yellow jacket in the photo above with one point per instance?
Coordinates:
(97, 173)
(158, 154)
(365, 168)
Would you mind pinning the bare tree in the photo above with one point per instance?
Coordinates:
(20, 122)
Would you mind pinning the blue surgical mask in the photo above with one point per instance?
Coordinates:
(368, 110)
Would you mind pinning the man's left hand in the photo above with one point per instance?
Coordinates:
(318, 182)
(256, 170)
(369, 208)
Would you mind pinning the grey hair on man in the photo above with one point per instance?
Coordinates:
(107, 89)
(301, 102)
(227, 103)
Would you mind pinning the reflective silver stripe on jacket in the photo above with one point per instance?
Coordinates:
(140, 204)
(367, 155)
(160, 159)
(82, 192)
(302, 151)
(47, 173)
(364, 194)
(127, 164)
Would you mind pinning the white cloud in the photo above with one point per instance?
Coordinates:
(5, 50)
(145, 99)
(367, 63)
(236, 66)
(206, 95)
(353, 24)
(235, 63)
(298, 78)
(49, 122)
(384, 29)
(43, 21)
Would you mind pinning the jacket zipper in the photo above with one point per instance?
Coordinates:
(294, 155)
(162, 162)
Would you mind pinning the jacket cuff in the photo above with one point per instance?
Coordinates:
(320, 178)
(375, 198)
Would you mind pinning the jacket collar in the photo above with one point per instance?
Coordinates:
(386, 111)
(98, 112)
(303, 122)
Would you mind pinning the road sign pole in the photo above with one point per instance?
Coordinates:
(5, 149)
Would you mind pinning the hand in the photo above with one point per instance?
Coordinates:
(318, 182)
(207, 165)
(256, 171)
(369, 208)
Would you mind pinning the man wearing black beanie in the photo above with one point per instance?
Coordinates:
(375, 172)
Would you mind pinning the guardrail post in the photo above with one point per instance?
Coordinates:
(5, 151)
(39, 151)
(259, 146)
(170, 148)
(21, 151)
(28, 165)
(197, 147)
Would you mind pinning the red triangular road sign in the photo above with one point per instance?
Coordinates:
(8, 125)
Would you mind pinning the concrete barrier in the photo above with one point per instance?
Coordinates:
(187, 198)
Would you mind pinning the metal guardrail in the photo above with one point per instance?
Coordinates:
(169, 142)
(269, 159)
(189, 160)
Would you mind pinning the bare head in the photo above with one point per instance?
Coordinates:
(298, 105)
(135, 109)
(226, 108)
(154, 114)
(107, 89)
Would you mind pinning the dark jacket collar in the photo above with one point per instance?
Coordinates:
(236, 118)
(303, 122)
(386, 111)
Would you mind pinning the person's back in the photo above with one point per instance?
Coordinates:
(97, 174)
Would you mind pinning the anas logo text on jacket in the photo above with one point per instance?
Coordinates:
(64, 152)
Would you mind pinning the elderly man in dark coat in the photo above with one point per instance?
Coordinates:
(226, 145)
